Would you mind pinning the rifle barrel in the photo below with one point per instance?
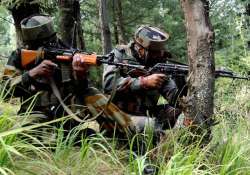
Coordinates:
(177, 69)
(122, 64)
(232, 76)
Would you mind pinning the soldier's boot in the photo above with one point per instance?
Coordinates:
(181, 122)
(149, 170)
(147, 124)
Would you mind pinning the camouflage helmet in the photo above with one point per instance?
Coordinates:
(37, 27)
(151, 38)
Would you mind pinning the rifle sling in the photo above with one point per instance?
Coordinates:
(58, 96)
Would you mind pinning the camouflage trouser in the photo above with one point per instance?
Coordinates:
(166, 115)
(108, 115)
(112, 116)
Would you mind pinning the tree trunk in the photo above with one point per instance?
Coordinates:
(248, 9)
(115, 22)
(120, 24)
(198, 105)
(105, 31)
(248, 21)
(19, 12)
(70, 23)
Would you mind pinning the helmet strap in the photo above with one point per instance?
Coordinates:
(140, 50)
(142, 54)
(146, 57)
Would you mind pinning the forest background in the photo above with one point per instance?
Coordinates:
(227, 152)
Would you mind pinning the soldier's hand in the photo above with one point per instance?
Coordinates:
(153, 81)
(79, 67)
(44, 69)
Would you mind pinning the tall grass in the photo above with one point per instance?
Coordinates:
(27, 148)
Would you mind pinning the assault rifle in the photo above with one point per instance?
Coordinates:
(182, 70)
(171, 69)
(62, 57)
(31, 57)
(65, 56)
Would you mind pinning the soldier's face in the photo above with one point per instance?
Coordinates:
(154, 57)
(156, 54)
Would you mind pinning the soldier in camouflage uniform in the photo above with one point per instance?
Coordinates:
(38, 32)
(139, 95)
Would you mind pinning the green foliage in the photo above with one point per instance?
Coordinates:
(169, 18)
(29, 150)
(90, 22)
(6, 33)
(232, 30)
(36, 151)
(232, 149)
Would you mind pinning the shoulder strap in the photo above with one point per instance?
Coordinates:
(58, 96)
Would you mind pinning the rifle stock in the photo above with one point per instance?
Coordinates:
(29, 57)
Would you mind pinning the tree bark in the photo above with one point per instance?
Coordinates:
(104, 23)
(120, 23)
(115, 22)
(70, 24)
(198, 105)
(248, 9)
(248, 21)
(19, 12)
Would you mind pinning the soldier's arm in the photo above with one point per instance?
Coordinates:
(122, 84)
(169, 91)
(16, 81)
(80, 73)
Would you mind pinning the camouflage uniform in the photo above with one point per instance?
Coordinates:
(134, 99)
(75, 93)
